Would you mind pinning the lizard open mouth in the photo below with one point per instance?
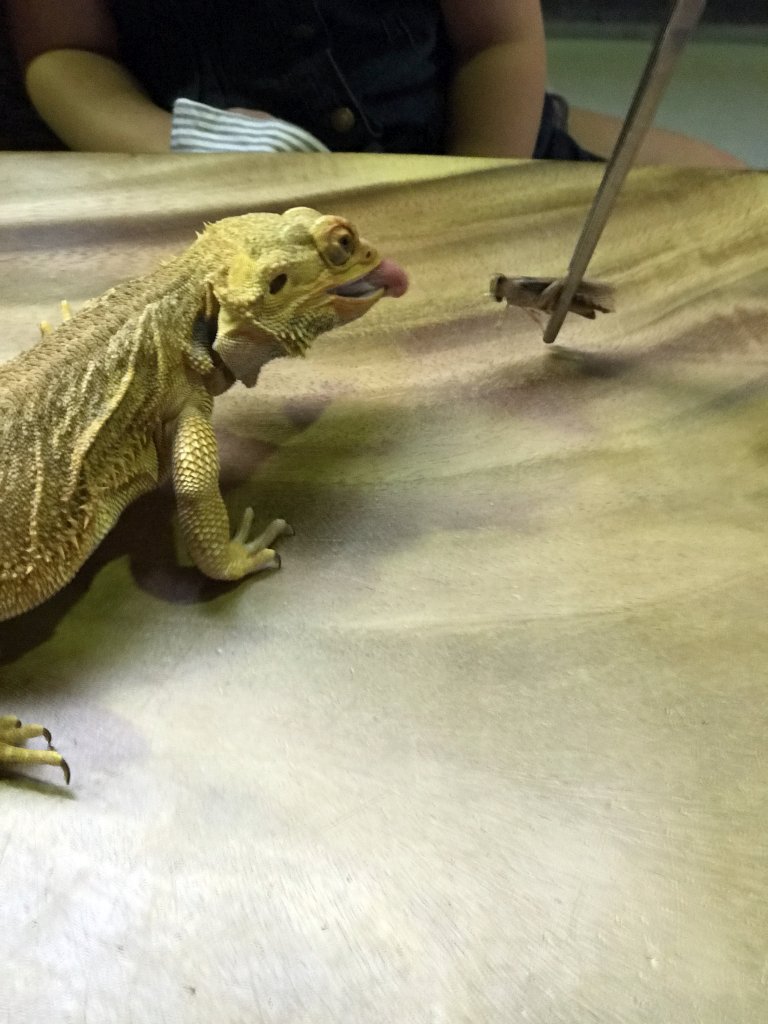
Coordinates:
(387, 278)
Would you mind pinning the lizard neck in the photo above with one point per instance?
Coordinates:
(244, 351)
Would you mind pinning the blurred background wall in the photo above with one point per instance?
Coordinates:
(597, 51)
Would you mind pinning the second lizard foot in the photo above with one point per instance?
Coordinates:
(13, 735)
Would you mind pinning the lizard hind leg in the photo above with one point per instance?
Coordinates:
(13, 735)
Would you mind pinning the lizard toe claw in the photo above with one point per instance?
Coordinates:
(245, 527)
(13, 737)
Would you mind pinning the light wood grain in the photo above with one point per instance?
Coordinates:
(491, 746)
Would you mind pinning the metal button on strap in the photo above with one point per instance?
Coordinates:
(304, 31)
(342, 119)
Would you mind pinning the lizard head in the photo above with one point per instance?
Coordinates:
(287, 279)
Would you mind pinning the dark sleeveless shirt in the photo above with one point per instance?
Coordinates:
(384, 65)
(360, 75)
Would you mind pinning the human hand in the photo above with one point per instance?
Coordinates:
(199, 128)
(260, 114)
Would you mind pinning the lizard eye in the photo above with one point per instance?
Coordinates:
(277, 283)
(341, 245)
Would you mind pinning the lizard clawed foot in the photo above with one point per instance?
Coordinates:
(255, 555)
(13, 735)
(66, 314)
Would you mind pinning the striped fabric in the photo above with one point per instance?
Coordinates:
(198, 128)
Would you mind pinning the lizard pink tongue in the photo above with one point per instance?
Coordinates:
(391, 276)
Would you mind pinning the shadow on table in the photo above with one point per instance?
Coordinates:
(146, 532)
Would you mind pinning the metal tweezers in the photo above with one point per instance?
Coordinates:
(658, 71)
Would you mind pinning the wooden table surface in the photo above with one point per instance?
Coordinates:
(491, 747)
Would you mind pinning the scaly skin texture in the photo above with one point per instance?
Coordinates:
(120, 396)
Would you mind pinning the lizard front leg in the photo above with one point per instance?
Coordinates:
(202, 513)
(13, 735)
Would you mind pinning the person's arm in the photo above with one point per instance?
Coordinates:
(94, 105)
(68, 50)
(497, 93)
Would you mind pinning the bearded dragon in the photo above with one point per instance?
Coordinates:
(120, 396)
